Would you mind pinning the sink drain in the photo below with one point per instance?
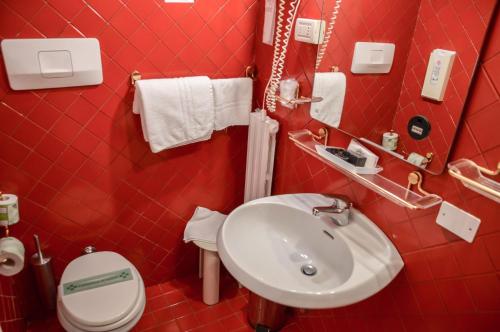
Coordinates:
(309, 270)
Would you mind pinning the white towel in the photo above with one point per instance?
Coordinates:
(175, 111)
(203, 225)
(330, 86)
(233, 102)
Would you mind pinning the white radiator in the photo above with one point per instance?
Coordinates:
(260, 155)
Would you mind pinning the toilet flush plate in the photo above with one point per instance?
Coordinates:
(52, 62)
(457, 221)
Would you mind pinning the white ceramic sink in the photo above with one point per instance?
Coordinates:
(265, 243)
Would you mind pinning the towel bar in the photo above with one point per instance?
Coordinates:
(135, 76)
(301, 100)
(472, 176)
(250, 72)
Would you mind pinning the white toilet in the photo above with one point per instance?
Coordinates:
(100, 292)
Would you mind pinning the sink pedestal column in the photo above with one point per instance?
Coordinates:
(264, 312)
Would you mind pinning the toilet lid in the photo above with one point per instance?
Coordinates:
(99, 288)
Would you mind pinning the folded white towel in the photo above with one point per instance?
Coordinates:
(330, 86)
(203, 225)
(175, 111)
(233, 102)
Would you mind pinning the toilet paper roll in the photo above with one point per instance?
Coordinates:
(417, 160)
(390, 140)
(9, 210)
(11, 256)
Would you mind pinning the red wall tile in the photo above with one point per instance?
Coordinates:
(76, 156)
(447, 284)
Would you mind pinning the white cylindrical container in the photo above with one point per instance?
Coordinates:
(390, 140)
(9, 210)
(211, 277)
(288, 91)
(11, 256)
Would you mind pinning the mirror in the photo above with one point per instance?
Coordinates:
(391, 103)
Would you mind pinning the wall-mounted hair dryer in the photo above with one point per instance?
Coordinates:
(284, 24)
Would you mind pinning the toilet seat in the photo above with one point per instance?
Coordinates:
(113, 307)
(124, 325)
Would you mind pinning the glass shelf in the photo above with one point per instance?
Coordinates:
(376, 182)
(471, 176)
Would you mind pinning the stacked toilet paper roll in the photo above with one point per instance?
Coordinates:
(11, 256)
(390, 140)
(11, 249)
(9, 210)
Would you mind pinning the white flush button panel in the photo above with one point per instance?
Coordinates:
(310, 31)
(372, 58)
(457, 221)
(52, 62)
(438, 74)
(55, 64)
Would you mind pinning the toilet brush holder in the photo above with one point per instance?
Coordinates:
(44, 276)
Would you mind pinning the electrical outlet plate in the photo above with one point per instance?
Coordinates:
(457, 221)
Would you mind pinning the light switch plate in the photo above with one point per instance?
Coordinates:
(310, 30)
(457, 221)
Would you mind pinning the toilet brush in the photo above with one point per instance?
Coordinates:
(44, 277)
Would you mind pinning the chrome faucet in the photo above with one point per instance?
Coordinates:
(339, 211)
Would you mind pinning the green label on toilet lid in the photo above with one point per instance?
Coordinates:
(97, 281)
